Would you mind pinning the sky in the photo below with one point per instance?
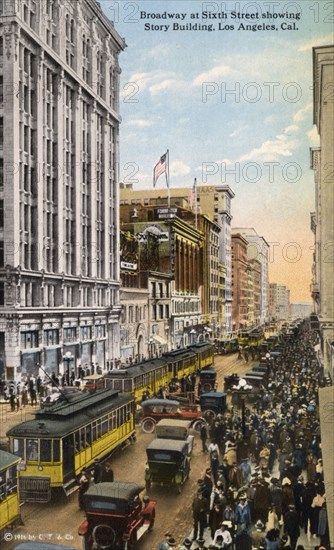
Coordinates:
(232, 106)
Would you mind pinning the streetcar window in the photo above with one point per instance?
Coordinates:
(56, 450)
(117, 384)
(45, 450)
(11, 480)
(32, 449)
(88, 436)
(104, 425)
(2, 486)
(18, 447)
(127, 385)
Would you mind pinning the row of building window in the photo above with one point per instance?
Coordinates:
(30, 339)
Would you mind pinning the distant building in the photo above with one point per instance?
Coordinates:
(322, 220)
(214, 203)
(279, 302)
(301, 311)
(258, 249)
(239, 281)
(59, 229)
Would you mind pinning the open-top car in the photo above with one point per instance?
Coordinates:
(116, 516)
(174, 428)
(156, 409)
(168, 462)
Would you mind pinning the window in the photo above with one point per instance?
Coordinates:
(1, 214)
(45, 450)
(29, 339)
(2, 294)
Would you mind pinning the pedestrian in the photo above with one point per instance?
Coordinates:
(257, 534)
(107, 474)
(200, 509)
(83, 486)
(291, 526)
(224, 532)
(204, 437)
(97, 471)
(243, 541)
(242, 514)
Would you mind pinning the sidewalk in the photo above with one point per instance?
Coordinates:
(8, 419)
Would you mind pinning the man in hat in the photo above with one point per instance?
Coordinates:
(291, 525)
(258, 534)
(224, 532)
(97, 471)
(200, 508)
(186, 545)
(242, 514)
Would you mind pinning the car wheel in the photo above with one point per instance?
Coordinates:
(207, 387)
(148, 425)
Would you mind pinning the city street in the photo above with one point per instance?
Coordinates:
(61, 518)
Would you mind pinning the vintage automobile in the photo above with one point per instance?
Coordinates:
(207, 380)
(168, 462)
(230, 381)
(116, 516)
(212, 403)
(173, 428)
(156, 409)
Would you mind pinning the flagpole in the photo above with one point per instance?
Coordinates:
(167, 179)
(195, 200)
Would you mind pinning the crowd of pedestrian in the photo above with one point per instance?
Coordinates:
(264, 485)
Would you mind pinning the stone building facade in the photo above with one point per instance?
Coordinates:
(239, 281)
(213, 202)
(323, 219)
(59, 271)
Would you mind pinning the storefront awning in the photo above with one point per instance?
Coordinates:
(159, 340)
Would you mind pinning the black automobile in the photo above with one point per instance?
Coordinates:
(212, 403)
(207, 380)
(168, 463)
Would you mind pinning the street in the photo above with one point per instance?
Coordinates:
(59, 520)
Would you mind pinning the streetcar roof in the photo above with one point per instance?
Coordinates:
(7, 459)
(177, 354)
(120, 490)
(137, 369)
(201, 346)
(54, 425)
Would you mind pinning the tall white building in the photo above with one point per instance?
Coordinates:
(279, 302)
(59, 244)
(258, 249)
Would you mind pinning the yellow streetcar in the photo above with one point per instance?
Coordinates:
(67, 436)
(9, 496)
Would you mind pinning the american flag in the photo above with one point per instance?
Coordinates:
(193, 196)
(160, 168)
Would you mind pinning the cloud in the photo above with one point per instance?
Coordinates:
(315, 42)
(314, 137)
(212, 74)
(140, 122)
(238, 131)
(163, 85)
(179, 168)
(302, 113)
(272, 149)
